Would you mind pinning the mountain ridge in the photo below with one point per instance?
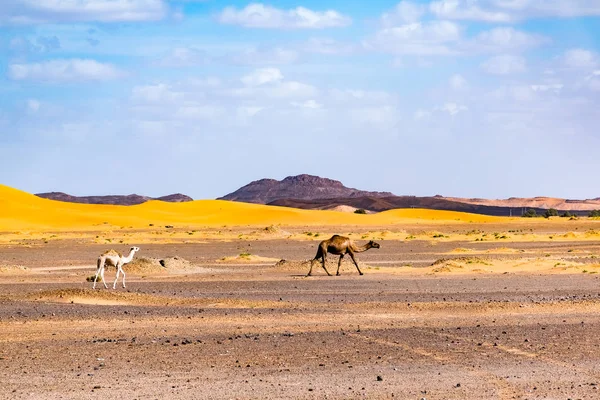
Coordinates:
(122, 200)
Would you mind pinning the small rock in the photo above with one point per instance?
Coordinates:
(379, 378)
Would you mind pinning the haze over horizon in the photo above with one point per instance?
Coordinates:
(465, 98)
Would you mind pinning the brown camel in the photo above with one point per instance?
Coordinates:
(339, 245)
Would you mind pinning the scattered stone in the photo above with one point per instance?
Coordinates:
(379, 378)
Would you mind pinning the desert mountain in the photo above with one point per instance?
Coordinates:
(313, 192)
(535, 202)
(301, 187)
(122, 200)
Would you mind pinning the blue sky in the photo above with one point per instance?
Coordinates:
(473, 98)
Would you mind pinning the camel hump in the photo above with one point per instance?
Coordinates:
(111, 252)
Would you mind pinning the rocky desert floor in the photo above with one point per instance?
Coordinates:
(441, 312)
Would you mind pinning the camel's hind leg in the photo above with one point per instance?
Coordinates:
(119, 270)
(322, 254)
(100, 273)
(355, 263)
(339, 265)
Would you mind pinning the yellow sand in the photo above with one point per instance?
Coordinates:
(22, 211)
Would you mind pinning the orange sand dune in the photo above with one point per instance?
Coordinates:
(20, 210)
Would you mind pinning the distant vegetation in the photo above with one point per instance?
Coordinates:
(360, 211)
(530, 214)
(595, 214)
(551, 213)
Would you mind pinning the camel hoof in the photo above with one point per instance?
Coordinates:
(361, 273)
(337, 274)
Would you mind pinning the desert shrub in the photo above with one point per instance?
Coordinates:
(550, 213)
(530, 213)
(360, 211)
(566, 214)
(92, 277)
(595, 214)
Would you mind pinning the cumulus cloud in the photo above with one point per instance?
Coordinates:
(38, 11)
(505, 39)
(264, 56)
(467, 10)
(458, 82)
(327, 46)
(64, 70)
(405, 12)
(311, 104)
(504, 65)
(512, 10)
(452, 108)
(184, 57)
(262, 76)
(430, 38)
(580, 58)
(257, 15)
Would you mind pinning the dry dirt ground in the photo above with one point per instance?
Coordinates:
(225, 319)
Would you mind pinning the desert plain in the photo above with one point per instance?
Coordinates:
(218, 305)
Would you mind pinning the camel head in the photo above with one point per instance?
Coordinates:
(134, 249)
(373, 245)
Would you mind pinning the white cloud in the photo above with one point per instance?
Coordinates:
(554, 87)
(185, 57)
(580, 58)
(265, 56)
(512, 10)
(262, 76)
(327, 46)
(311, 104)
(504, 65)
(421, 114)
(257, 15)
(467, 10)
(405, 12)
(431, 38)
(197, 111)
(37, 11)
(505, 39)
(33, 105)
(452, 108)
(159, 93)
(65, 70)
(458, 82)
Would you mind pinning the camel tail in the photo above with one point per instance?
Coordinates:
(100, 263)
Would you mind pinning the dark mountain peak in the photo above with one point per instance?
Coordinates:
(121, 200)
(175, 198)
(303, 187)
(305, 179)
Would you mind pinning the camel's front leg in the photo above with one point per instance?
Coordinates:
(355, 263)
(123, 272)
(339, 264)
(117, 277)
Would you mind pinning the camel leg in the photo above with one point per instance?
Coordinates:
(325, 259)
(123, 272)
(117, 277)
(96, 277)
(339, 265)
(102, 276)
(311, 266)
(355, 263)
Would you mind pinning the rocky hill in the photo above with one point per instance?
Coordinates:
(122, 200)
(300, 187)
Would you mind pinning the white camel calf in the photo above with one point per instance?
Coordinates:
(116, 259)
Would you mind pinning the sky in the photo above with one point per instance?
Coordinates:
(469, 98)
